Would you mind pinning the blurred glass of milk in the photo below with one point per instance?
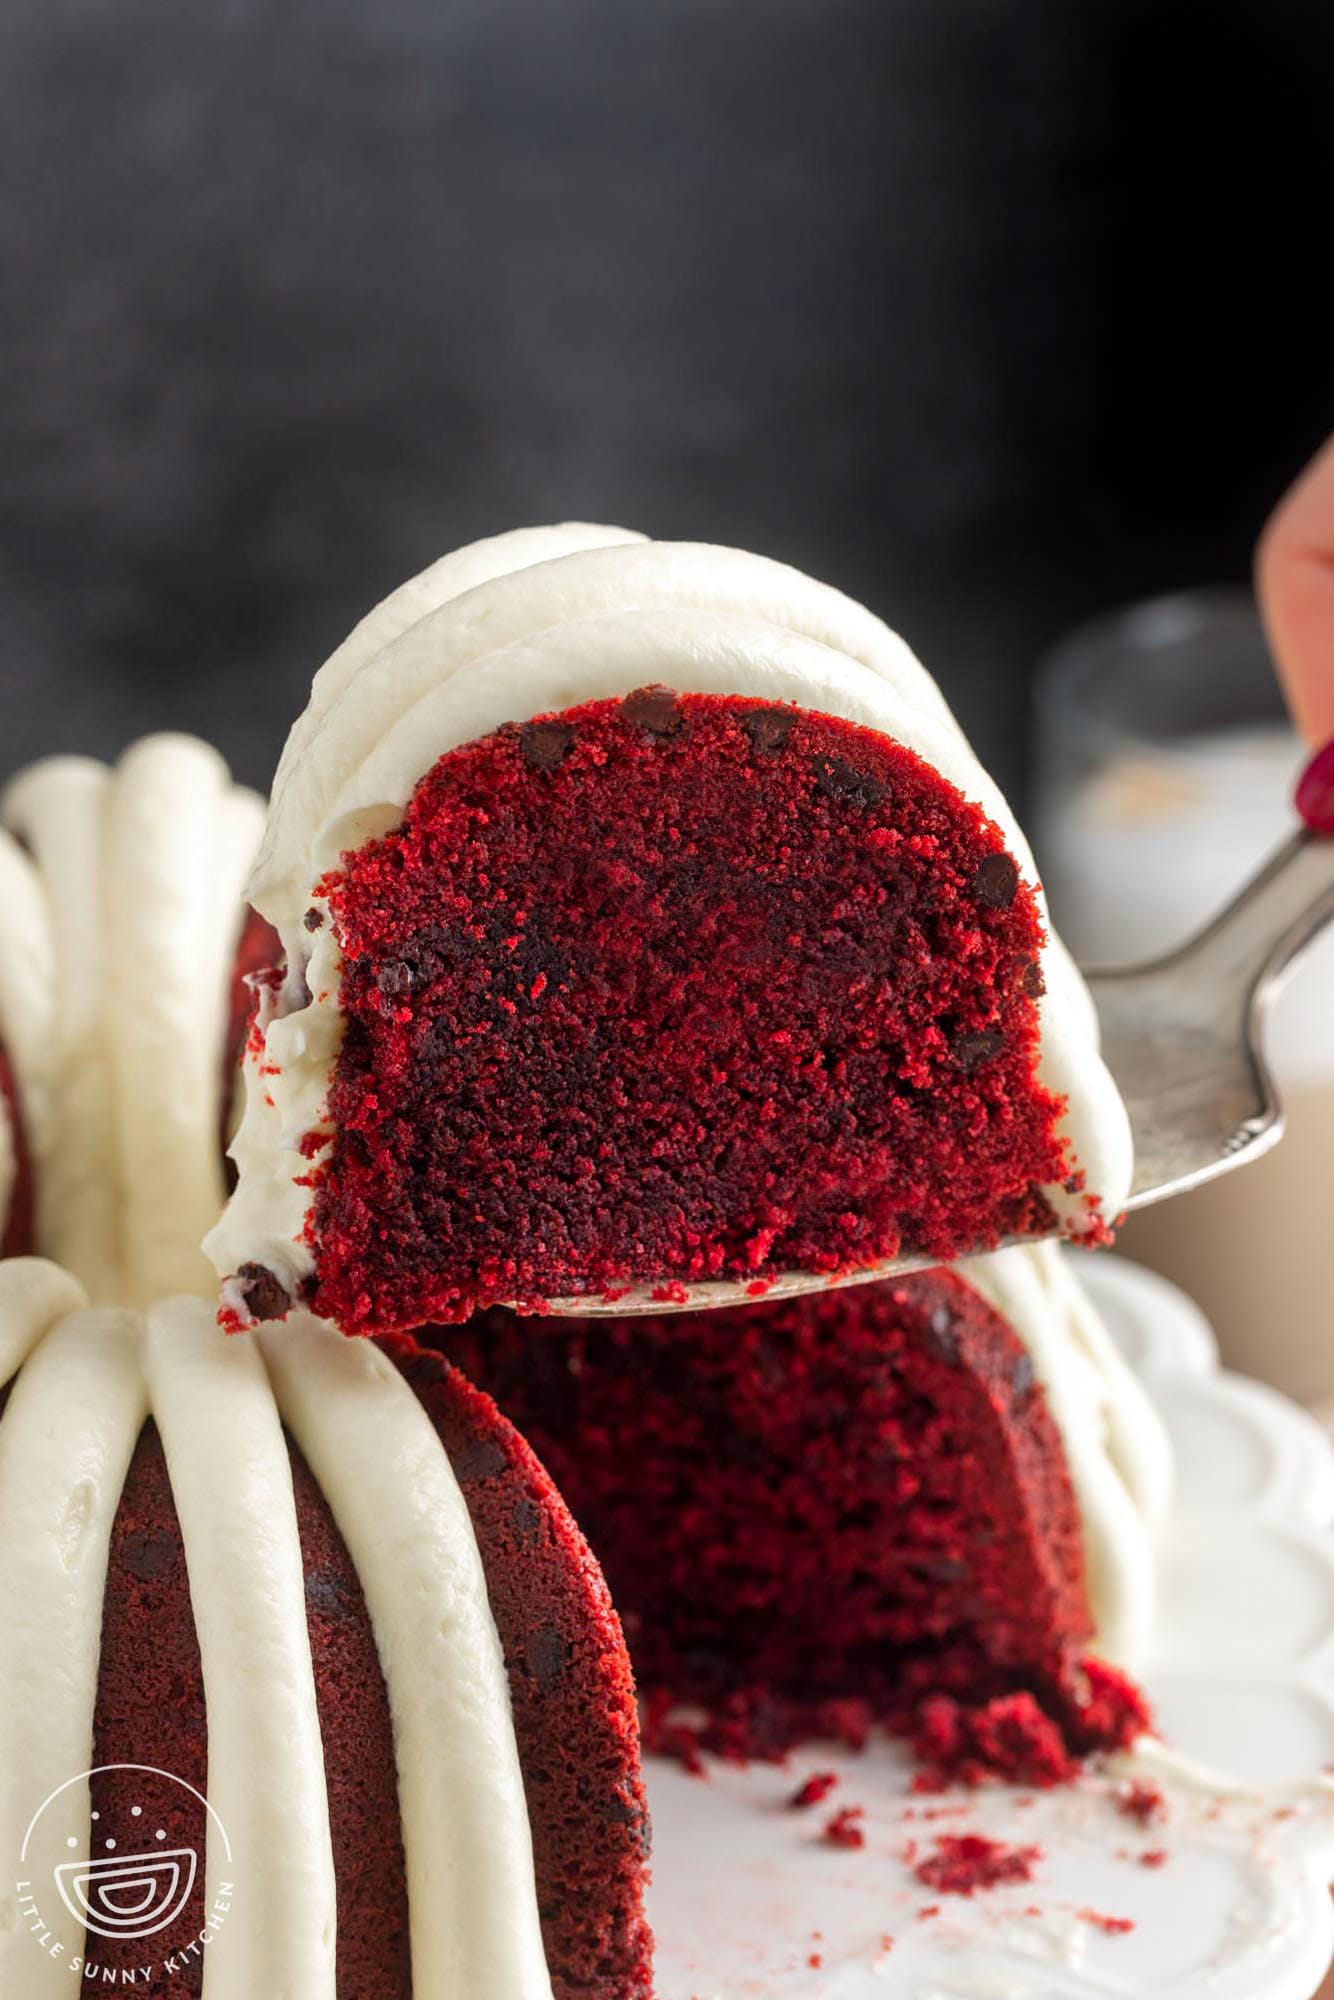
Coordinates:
(1166, 768)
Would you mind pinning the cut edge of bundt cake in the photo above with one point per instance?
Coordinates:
(889, 1505)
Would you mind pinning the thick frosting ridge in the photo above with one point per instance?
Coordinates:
(559, 620)
(120, 904)
(87, 1379)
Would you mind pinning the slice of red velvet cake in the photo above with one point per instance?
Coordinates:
(919, 1503)
(647, 922)
(318, 1631)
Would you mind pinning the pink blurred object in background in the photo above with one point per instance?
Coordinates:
(1167, 775)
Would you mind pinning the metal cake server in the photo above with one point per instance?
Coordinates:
(1182, 1035)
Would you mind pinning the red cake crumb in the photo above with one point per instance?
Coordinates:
(1141, 1802)
(1013, 1738)
(845, 1829)
(929, 1910)
(963, 1863)
(678, 1002)
(1110, 1926)
(815, 1790)
(666, 1735)
(1154, 1857)
(825, 1514)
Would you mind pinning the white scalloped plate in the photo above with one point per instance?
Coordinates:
(749, 1903)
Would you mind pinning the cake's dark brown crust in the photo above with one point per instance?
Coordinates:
(570, 1684)
(675, 988)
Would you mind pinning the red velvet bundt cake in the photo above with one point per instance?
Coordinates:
(647, 922)
(330, 1586)
(916, 1502)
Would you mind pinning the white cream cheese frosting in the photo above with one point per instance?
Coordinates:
(84, 1381)
(544, 620)
(120, 905)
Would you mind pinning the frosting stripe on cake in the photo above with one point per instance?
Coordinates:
(27, 1007)
(33, 1296)
(117, 931)
(221, 1434)
(476, 1933)
(180, 838)
(66, 1439)
(462, 570)
(57, 808)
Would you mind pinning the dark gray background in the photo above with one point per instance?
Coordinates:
(994, 312)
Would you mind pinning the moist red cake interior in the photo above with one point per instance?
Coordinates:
(572, 1695)
(675, 988)
(17, 1223)
(825, 1512)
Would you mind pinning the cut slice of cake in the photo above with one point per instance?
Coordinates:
(647, 921)
(316, 1632)
(929, 1503)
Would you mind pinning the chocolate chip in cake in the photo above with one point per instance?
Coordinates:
(422, 1370)
(526, 1519)
(973, 1051)
(617, 1812)
(941, 1334)
(942, 1569)
(1033, 982)
(838, 780)
(544, 746)
(265, 1296)
(480, 1458)
(394, 978)
(313, 919)
(769, 729)
(326, 1593)
(656, 709)
(1022, 1377)
(547, 1655)
(995, 881)
(147, 1552)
